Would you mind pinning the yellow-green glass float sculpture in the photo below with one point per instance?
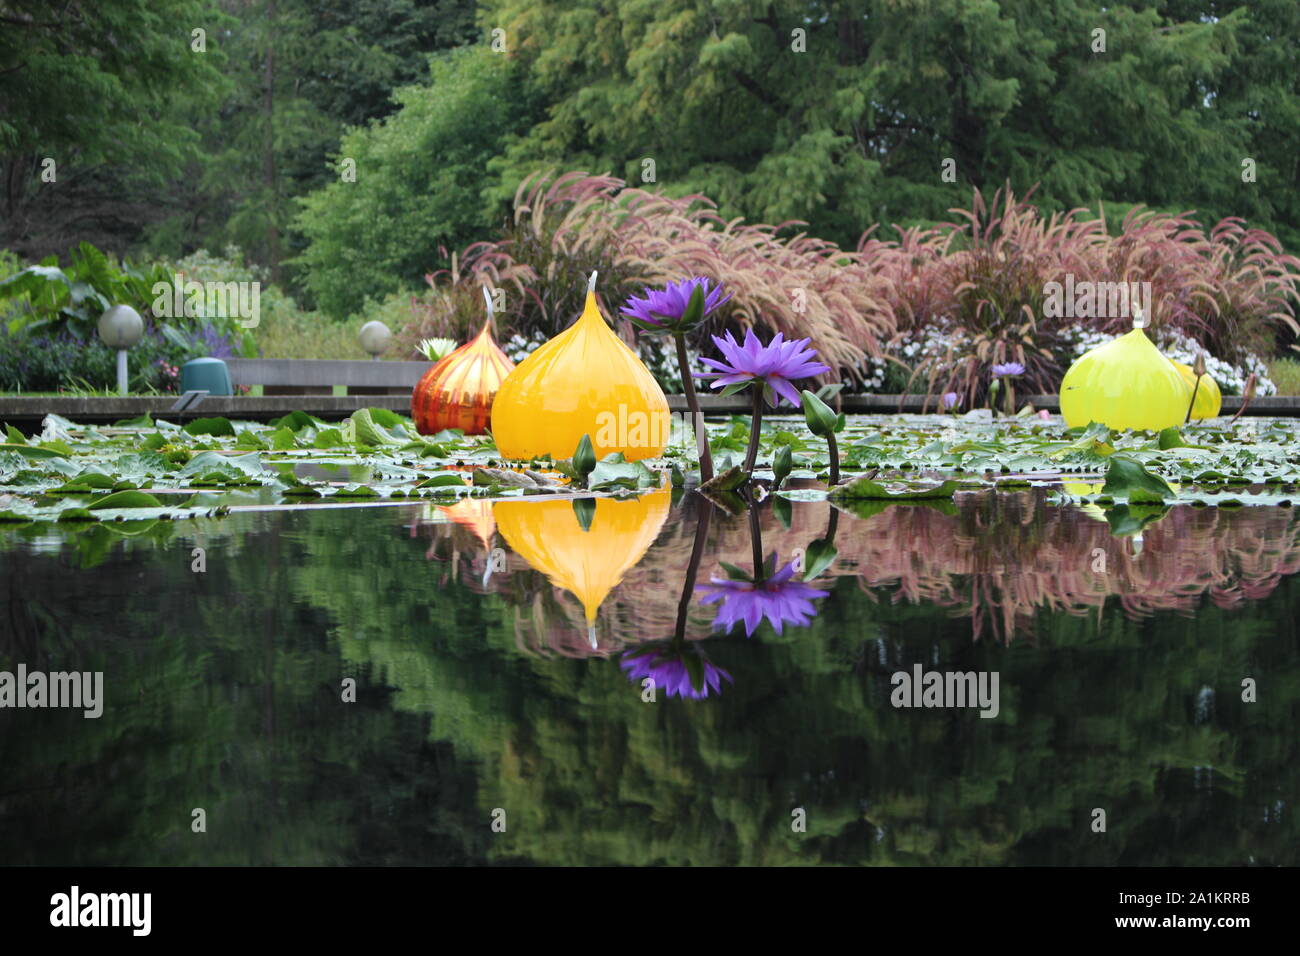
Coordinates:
(1209, 400)
(584, 381)
(1126, 383)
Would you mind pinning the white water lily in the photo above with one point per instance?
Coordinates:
(435, 349)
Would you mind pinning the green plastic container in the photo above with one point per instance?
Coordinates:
(206, 374)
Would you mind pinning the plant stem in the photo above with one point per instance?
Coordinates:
(755, 426)
(1192, 404)
(693, 569)
(756, 542)
(833, 449)
(693, 405)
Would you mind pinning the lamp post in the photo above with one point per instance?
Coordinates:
(374, 336)
(121, 328)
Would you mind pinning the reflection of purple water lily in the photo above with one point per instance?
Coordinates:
(662, 310)
(773, 365)
(779, 598)
(681, 670)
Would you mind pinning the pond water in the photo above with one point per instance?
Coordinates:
(500, 714)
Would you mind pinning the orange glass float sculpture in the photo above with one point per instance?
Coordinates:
(458, 391)
(585, 381)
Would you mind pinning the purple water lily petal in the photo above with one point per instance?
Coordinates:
(781, 599)
(663, 308)
(1010, 368)
(775, 365)
(667, 667)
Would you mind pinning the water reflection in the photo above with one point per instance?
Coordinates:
(583, 547)
(995, 560)
(224, 687)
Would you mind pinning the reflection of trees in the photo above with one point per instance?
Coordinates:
(225, 695)
(997, 560)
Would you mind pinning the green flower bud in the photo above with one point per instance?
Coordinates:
(781, 465)
(584, 458)
(819, 416)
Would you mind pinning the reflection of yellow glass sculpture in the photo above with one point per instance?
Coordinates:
(1125, 383)
(1209, 400)
(588, 563)
(584, 381)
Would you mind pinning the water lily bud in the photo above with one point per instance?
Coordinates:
(584, 458)
(694, 310)
(1199, 367)
(819, 416)
(782, 463)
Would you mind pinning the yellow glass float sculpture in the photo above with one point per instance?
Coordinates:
(590, 563)
(1209, 400)
(584, 381)
(457, 392)
(1126, 383)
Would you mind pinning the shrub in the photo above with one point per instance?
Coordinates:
(970, 294)
(48, 360)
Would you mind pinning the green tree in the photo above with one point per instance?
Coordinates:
(419, 184)
(95, 87)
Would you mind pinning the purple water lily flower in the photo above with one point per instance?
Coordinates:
(780, 599)
(774, 364)
(1011, 368)
(667, 665)
(949, 399)
(661, 310)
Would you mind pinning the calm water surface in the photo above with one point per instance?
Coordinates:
(479, 695)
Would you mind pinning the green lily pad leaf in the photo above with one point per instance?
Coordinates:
(209, 426)
(866, 508)
(140, 421)
(1127, 479)
(296, 421)
(728, 480)
(125, 499)
(442, 480)
(300, 491)
(866, 488)
(282, 439)
(356, 491)
(1171, 438)
(247, 439)
(1126, 520)
(210, 463)
(33, 451)
(328, 438)
(609, 474)
(369, 433)
(14, 436)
